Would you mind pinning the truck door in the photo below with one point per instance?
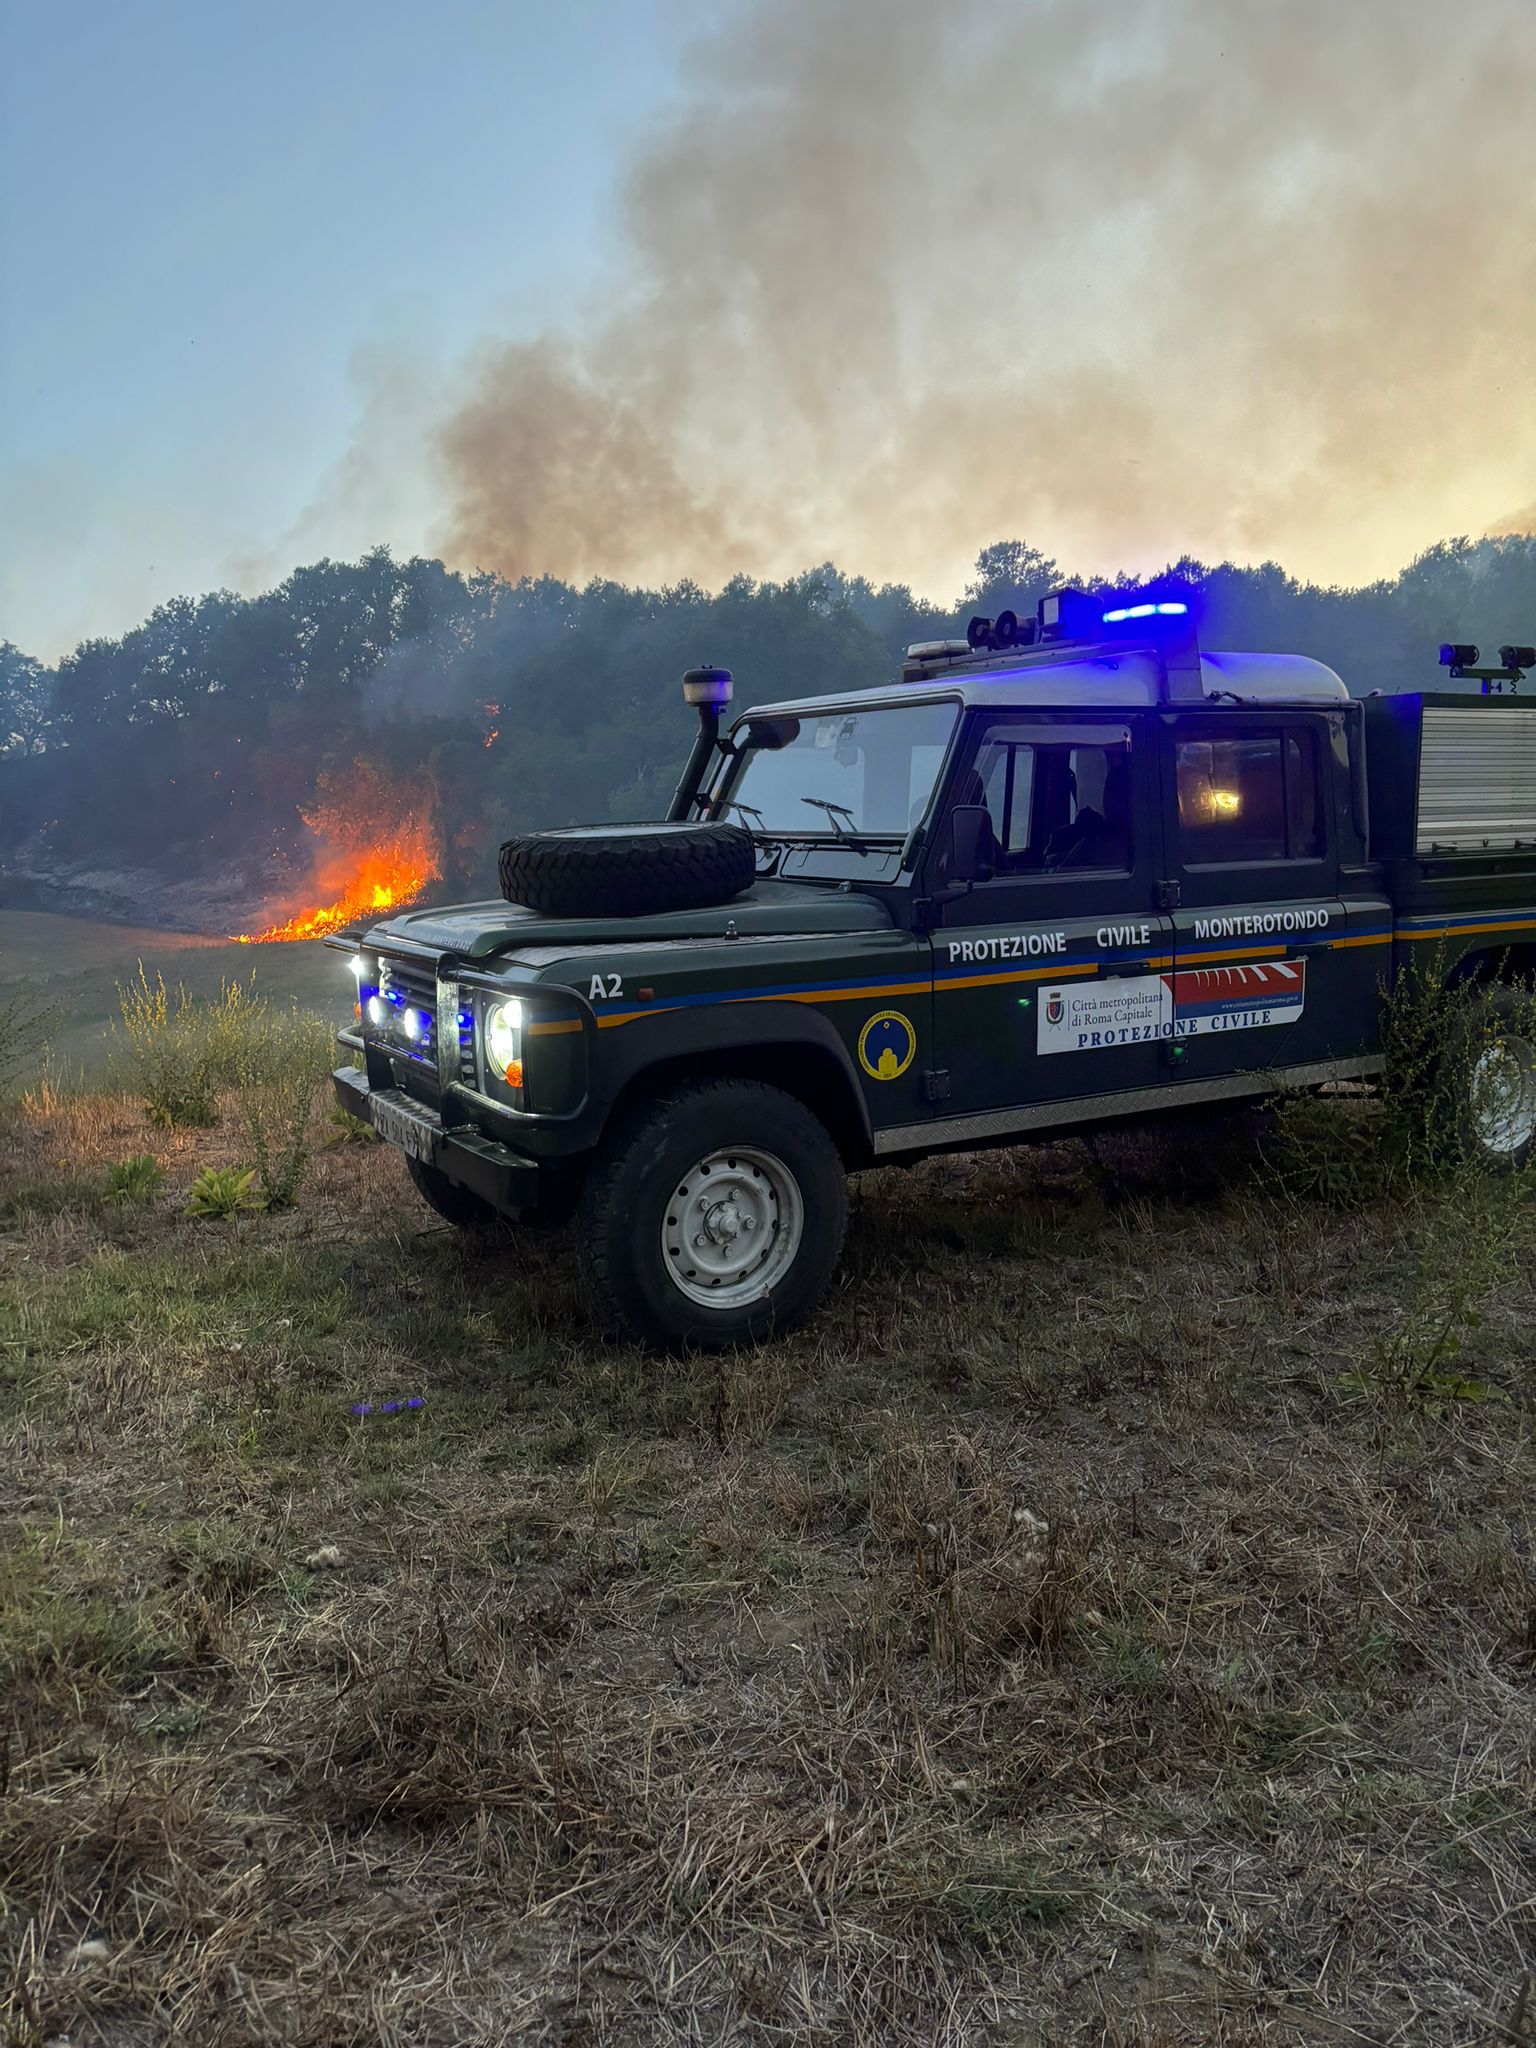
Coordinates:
(1265, 974)
(1050, 978)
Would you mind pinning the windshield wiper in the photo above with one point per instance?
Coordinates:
(837, 813)
(749, 811)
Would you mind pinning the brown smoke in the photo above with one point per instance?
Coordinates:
(1129, 277)
(1518, 523)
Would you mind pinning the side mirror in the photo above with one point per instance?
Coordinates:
(972, 850)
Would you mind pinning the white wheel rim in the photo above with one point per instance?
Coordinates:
(732, 1227)
(1504, 1095)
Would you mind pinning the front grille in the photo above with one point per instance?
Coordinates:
(409, 986)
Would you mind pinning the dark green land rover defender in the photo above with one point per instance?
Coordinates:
(1068, 870)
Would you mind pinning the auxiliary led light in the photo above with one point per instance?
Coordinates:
(414, 1023)
(378, 1010)
(358, 965)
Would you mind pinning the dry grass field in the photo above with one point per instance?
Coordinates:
(1085, 1633)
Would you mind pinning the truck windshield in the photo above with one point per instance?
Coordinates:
(864, 774)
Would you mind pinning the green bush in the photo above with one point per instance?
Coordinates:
(1327, 1148)
(1474, 1225)
(138, 1179)
(162, 1051)
(181, 1051)
(1410, 1134)
(1469, 1239)
(235, 1030)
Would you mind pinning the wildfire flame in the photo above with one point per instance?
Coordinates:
(360, 871)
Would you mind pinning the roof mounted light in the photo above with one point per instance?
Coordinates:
(1067, 615)
(1170, 609)
(707, 686)
(1462, 658)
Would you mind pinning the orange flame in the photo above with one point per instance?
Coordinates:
(360, 871)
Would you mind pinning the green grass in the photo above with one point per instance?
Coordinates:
(56, 1630)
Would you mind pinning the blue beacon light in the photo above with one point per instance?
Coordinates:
(1169, 610)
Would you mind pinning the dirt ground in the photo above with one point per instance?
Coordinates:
(1069, 1638)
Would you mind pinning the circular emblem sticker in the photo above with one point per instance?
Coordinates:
(887, 1045)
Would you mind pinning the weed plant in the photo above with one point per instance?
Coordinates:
(1473, 1217)
(176, 1053)
(285, 1065)
(138, 1179)
(221, 1191)
(163, 1052)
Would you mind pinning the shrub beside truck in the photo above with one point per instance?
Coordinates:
(1068, 871)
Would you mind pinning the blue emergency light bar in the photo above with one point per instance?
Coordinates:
(1062, 615)
(1145, 611)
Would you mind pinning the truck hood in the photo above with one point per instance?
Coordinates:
(480, 931)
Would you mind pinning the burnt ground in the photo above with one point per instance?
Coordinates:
(1053, 1644)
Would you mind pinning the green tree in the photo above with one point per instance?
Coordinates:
(26, 701)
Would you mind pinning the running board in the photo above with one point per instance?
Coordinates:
(1084, 1109)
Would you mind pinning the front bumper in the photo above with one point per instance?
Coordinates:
(506, 1179)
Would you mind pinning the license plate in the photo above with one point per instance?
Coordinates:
(411, 1129)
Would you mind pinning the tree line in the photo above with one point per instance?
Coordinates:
(203, 735)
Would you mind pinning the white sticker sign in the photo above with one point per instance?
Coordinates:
(1097, 1016)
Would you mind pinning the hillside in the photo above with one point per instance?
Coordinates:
(75, 966)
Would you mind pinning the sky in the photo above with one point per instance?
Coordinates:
(227, 230)
(655, 288)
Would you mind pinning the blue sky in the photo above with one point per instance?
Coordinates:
(1253, 283)
(208, 210)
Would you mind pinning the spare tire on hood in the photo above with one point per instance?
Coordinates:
(626, 871)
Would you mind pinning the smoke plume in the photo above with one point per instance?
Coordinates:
(1128, 276)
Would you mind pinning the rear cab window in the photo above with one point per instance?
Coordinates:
(1249, 796)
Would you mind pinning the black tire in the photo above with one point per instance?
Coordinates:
(642, 1178)
(630, 871)
(1490, 1082)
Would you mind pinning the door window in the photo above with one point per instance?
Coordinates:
(1250, 796)
(1059, 796)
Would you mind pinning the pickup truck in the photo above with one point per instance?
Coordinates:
(1061, 873)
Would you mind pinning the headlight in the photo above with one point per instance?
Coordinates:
(504, 1042)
